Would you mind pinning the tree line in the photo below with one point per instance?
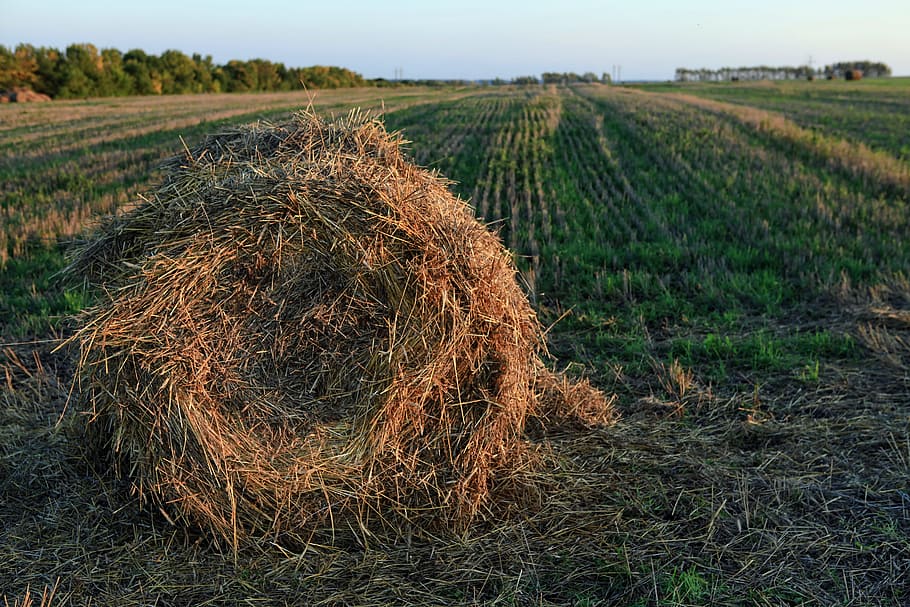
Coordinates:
(554, 78)
(572, 77)
(84, 71)
(869, 69)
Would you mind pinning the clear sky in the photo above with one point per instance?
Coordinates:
(476, 39)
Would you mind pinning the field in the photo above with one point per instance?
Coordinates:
(731, 261)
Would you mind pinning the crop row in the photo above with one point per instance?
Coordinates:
(645, 210)
(644, 213)
(874, 113)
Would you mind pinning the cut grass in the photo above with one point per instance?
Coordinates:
(730, 501)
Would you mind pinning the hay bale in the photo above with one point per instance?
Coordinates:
(853, 74)
(299, 329)
(22, 95)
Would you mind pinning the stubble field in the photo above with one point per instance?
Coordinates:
(731, 261)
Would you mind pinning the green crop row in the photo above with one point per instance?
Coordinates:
(653, 220)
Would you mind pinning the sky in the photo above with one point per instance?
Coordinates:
(480, 39)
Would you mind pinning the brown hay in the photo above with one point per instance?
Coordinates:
(299, 329)
(22, 95)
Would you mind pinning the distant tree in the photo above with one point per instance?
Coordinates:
(566, 77)
(48, 80)
(18, 67)
(765, 72)
(83, 71)
(869, 69)
(7, 68)
(551, 77)
(284, 80)
(143, 73)
(320, 76)
(239, 76)
(113, 81)
(268, 77)
(525, 80)
(605, 78)
(178, 73)
(205, 73)
(79, 71)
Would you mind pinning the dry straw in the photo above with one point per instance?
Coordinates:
(299, 330)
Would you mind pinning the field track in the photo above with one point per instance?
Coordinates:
(730, 261)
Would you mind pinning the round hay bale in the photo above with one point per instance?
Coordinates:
(22, 95)
(299, 327)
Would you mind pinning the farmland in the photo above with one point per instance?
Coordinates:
(729, 261)
(879, 120)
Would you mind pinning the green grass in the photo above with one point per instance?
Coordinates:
(32, 298)
(686, 587)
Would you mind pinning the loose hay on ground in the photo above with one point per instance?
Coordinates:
(299, 330)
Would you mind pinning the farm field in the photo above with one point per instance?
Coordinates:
(876, 113)
(730, 261)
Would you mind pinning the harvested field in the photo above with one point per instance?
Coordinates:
(738, 283)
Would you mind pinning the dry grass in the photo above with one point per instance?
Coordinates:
(301, 332)
(775, 496)
(28, 600)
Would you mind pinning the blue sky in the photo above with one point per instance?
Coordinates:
(481, 39)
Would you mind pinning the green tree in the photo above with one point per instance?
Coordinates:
(205, 73)
(142, 70)
(79, 71)
(48, 69)
(178, 73)
(268, 77)
(239, 76)
(325, 77)
(18, 67)
(114, 80)
(83, 71)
